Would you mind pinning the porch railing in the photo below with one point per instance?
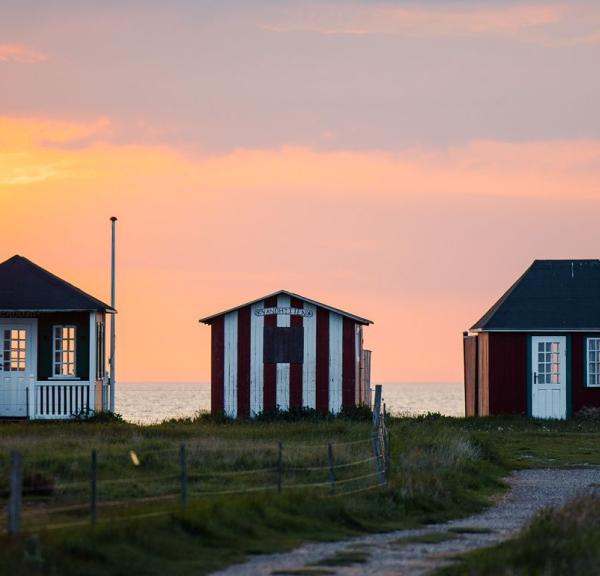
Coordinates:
(62, 400)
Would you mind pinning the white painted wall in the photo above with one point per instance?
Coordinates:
(309, 368)
(230, 367)
(336, 330)
(283, 370)
(257, 324)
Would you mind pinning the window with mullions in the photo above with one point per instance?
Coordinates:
(14, 354)
(548, 368)
(64, 351)
(593, 361)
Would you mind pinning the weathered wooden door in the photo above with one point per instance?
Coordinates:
(16, 367)
(549, 377)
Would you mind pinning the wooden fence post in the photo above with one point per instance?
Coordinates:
(377, 406)
(388, 456)
(184, 476)
(331, 471)
(94, 488)
(280, 467)
(376, 434)
(15, 501)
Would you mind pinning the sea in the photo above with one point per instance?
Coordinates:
(153, 402)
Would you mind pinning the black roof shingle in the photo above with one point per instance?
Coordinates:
(25, 286)
(552, 295)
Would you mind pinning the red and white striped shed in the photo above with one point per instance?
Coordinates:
(286, 351)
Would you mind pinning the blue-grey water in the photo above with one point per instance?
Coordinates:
(149, 402)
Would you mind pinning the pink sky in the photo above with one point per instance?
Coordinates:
(403, 161)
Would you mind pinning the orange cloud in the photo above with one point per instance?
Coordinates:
(20, 54)
(380, 18)
(34, 151)
(417, 239)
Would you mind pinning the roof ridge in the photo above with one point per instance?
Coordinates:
(59, 280)
(566, 260)
(548, 294)
(359, 319)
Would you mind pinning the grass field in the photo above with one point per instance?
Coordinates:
(558, 542)
(442, 468)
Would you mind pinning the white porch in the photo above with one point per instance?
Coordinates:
(61, 400)
(23, 395)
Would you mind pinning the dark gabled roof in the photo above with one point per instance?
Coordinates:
(357, 319)
(25, 286)
(552, 295)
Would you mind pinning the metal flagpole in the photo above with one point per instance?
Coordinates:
(112, 321)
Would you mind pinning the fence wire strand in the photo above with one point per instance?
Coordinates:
(192, 474)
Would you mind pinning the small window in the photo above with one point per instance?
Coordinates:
(593, 361)
(14, 351)
(64, 351)
(100, 354)
(283, 345)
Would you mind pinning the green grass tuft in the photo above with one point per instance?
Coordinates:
(558, 542)
(442, 468)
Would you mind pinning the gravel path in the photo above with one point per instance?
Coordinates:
(387, 554)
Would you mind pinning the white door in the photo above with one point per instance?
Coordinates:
(549, 378)
(16, 367)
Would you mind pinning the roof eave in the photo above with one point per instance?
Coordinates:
(108, 310)
(359, 320)
(535, 330)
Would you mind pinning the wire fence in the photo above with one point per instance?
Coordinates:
(119, 485)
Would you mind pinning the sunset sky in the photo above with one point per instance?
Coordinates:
(404, 161)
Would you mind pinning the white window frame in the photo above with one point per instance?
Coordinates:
(60, 363)
(20, 353)
(588, 351)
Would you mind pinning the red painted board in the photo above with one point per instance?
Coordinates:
(322, 361)
(217, 366)
(270, 369)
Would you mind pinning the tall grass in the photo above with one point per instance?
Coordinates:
(438, 472)
(558, 542)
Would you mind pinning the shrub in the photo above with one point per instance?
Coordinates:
(589, 414)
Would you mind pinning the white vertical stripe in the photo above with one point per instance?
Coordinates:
(230, 368)
(336, 323)
(93, 360)
(257, 370)
(309, 367)
(358, 399)
(283, 301)
(283, 370)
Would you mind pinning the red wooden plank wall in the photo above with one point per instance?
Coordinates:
(217, 351)
(295, 368)
(349, 364)
(334, 379)
(243, 368)
(270, 369)
(322, 361)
